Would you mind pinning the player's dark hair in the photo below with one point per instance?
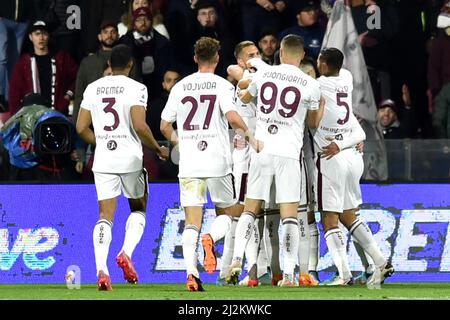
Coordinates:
(308, 61)
(241, 46)
(333, 57)
(206, 49)
(120, 57)
(293, 43)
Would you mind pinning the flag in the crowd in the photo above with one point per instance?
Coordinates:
(341, 34)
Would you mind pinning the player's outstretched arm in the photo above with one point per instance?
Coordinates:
(235, 73)
(356, 137)
(314, 116)
(357, 134)
(168, 132)
(241, 128)
(245, 96)
(244, 83)
(144, 132)
(84, 122)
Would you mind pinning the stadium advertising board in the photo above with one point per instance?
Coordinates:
(46, 230)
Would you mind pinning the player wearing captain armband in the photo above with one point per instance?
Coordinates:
(339, 168)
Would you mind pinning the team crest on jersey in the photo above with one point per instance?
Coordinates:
(273, 129)
(111, 145)
(202, 145)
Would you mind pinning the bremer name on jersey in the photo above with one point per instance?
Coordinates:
(109, 99)
(284, 94)
(198, 104)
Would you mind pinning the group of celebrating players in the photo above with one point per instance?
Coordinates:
(296, 150)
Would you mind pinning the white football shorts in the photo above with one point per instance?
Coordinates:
(338, 186)
(110, 185)
(265, 169)
(221, 189)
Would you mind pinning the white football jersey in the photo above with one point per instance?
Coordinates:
(246, 110)
(284, 94)
(198, 104)
(335, 123)
(109, 99)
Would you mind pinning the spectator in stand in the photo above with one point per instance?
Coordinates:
(63, 38)
(388, 120)
(156, 106)
(268, 44)
(308, 27)
(152, 52)
(179, 24)
(166, 169)
(44, 71)
(126, 23)
(376, 43)
(94, 13)
(410, 38)
(395, 130)
(95, 66)
(14, 18)
(210, 24)
(439, 75)
(260, 14)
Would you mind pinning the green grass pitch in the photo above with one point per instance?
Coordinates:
(389, 291)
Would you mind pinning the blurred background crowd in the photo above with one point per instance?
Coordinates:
(50, 50)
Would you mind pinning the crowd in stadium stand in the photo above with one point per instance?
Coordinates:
(408, 58)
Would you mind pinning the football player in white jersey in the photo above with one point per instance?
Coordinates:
(249, 60)
(309, 247)
(339, 169)
(115, 106)
(286, 98)
(202, 104)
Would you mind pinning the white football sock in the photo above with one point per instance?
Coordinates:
(262, 262)
(361, 232)
(228, 246)
(243, 233)
(251, 250)
(337, 247)
(314, 239)
(220, 226)
(361, 254)
(190, 254)
(303, 240)
(102, 239)
(133, 232)
(290, 237)
(272, 242)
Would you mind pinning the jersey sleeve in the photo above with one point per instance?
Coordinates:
(140, 97)
(169, 113)
(357, 134)
(86, 103)
(226, 99)
(257, 63)
(253, 86)
(313, 101)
